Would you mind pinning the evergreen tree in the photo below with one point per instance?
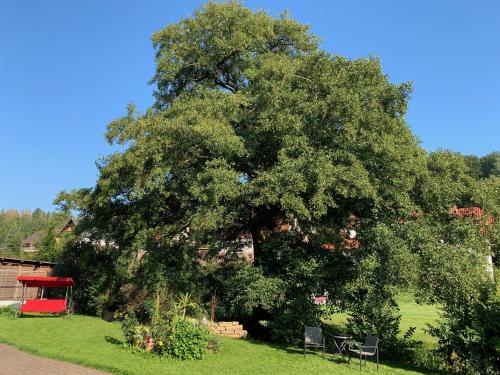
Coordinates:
(13, 240)
(47, 246)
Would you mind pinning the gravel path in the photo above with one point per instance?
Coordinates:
(14, 361)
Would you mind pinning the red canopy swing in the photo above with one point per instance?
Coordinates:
(46, 305)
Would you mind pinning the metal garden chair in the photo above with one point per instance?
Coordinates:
(313, 338)
(368, 349)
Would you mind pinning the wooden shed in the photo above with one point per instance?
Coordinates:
(11, 268)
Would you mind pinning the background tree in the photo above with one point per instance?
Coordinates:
(490, 165)
(445, 183)
(16, 225)
(474, 166)
(47, 246)
(13, 240)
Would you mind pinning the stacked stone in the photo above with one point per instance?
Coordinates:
(230, 329)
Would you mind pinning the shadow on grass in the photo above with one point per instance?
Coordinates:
(40, 316)
(113, 340)
(343, 360)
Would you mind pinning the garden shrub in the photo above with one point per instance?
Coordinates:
(378, 315)
(97, 276)
(289, 321)
(387, 266)
(7, 310)
(180, 339)
(302, 271)
(129, 324)
(413, 351)
(186, 341)
(422, 358)
(249, 288)
(169, 332)
(469, 337)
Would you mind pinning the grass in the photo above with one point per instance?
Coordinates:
(95, 343)
(412, 315)
(419, 316)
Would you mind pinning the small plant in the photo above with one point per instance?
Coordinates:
(129, 325)
(7, 310)
(184, 302)
(143, 338)
(214, 344)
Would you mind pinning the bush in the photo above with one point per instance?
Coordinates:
(169, 332)
(376, 314)
(97, 276)
(289, 321)
(129, 324)
(7, 310)
(186, 341)
(177, 339)
(422, 358)
(469, 337)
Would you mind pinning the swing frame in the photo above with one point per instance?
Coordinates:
(41, 305)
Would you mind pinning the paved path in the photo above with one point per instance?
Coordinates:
(15, 362)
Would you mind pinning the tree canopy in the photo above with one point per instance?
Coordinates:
(484, 167)
(255, 126)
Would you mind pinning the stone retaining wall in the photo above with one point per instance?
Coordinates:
(230, 329)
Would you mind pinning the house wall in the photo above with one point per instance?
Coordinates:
(28, 247)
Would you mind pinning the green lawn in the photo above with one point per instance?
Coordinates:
(418, 316)
(92, 342)
(412, 315)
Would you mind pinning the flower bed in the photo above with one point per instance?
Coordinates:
(176, 338)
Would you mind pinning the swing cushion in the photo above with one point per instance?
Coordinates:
(44, 305)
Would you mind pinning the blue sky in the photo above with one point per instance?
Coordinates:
(67, 68)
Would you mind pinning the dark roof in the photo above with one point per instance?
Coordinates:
(473, 212)
(30, 262)
(71, 221)
(32, 238)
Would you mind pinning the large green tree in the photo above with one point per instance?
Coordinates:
(254, 126)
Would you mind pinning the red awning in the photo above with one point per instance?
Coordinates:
(47, 282)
